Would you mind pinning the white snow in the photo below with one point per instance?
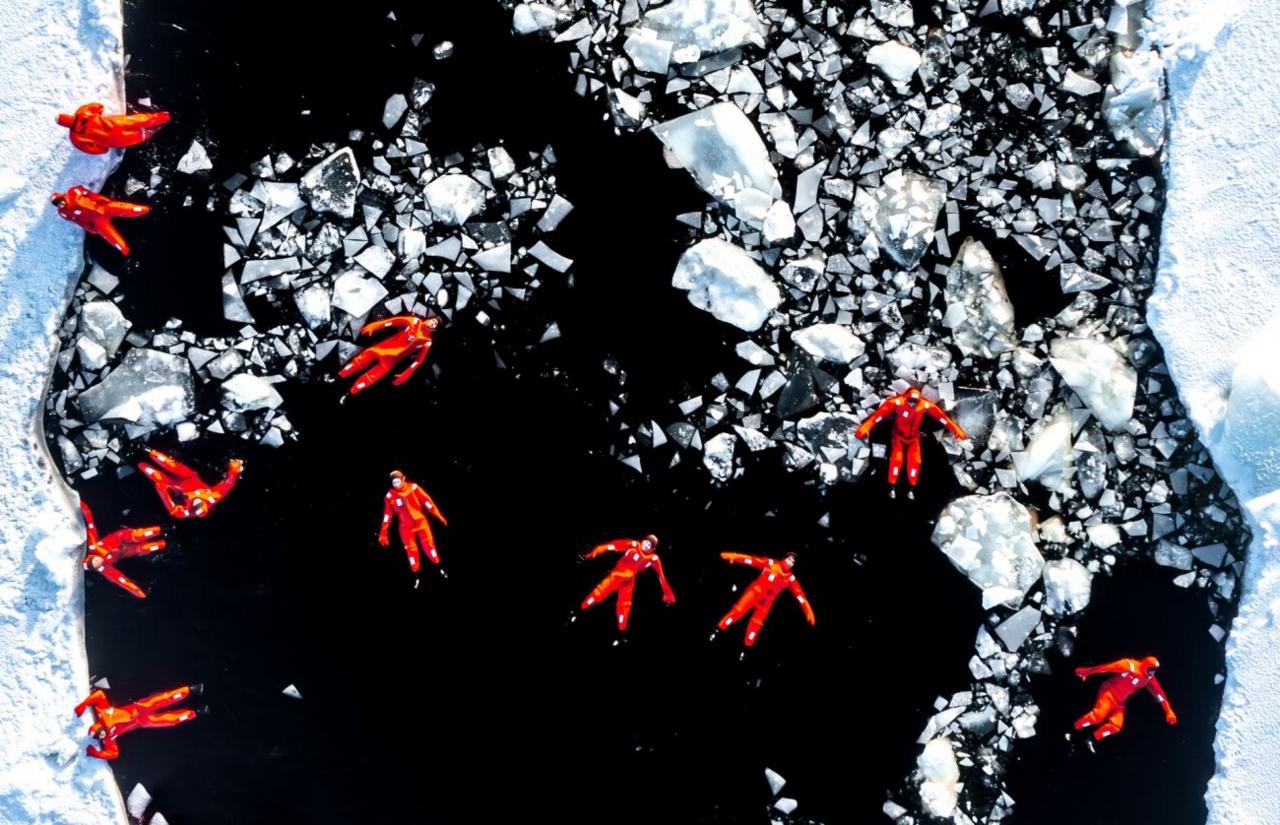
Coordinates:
(727, 282)
(1217, 295)
(57, 55)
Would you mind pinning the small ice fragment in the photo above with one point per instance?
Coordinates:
(195, 160)
(292, 692)
(1014, 630)
(454, 198)
(830, 342)
(313, 305)
(244, 392)
(137, 802)
(1067, 587)
(717, 456)
(775, 780)
(442, 50)
(395, 108)
(330, 186)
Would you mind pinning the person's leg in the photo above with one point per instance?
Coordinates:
(896, 457)
(625, 593)
(601, 591)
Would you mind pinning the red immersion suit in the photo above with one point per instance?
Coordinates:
(908, 411)
(412, 340)
(637, 557)
(101, 554)
(95, 133)
(184, 493)
(410, 505)
(93, 213)
(1131, 676)
(775, 577)
(111, 722)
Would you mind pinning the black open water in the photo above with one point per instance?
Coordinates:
(475, 699)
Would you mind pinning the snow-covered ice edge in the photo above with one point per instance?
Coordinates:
(1215, 311)
(56, 54)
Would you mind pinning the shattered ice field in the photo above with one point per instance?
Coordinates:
(831, 238)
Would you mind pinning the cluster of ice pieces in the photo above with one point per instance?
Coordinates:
(139, 808)
(890, 180)
(319, 245)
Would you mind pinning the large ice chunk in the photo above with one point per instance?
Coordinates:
(1251, 424)
(717, 456)
(939, 778)
(149, 388)
(1067, 586)
(990, 539)
(1134, 104)
(454, 198)
(243, 392)
(1100, 375)
(979, 313)
(701, 28)
(1048, 457)
(895, 60)
(907, 206)
(330, 186)
(102, 330)
(721, 148)
(355, 294)
(727, 282)
(829, 342)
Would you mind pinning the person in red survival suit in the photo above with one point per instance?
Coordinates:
(908, 411)
(775, 576)
(637, 557)
(410, 505)
(96, 133)
(412, 339)
(184, 493)
(110, 722)
(1131, 676)
(101, 554)
(93, 213)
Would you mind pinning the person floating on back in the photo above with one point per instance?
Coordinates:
(111, 722)
(101, 554)
(184, 493)
(93, 213)
(908, 410)
(410, 506)
(96, 133)
(775, 577)
(412, 340)
(1131, 676)
(637, 557)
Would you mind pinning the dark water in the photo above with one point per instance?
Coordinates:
(475, 699)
